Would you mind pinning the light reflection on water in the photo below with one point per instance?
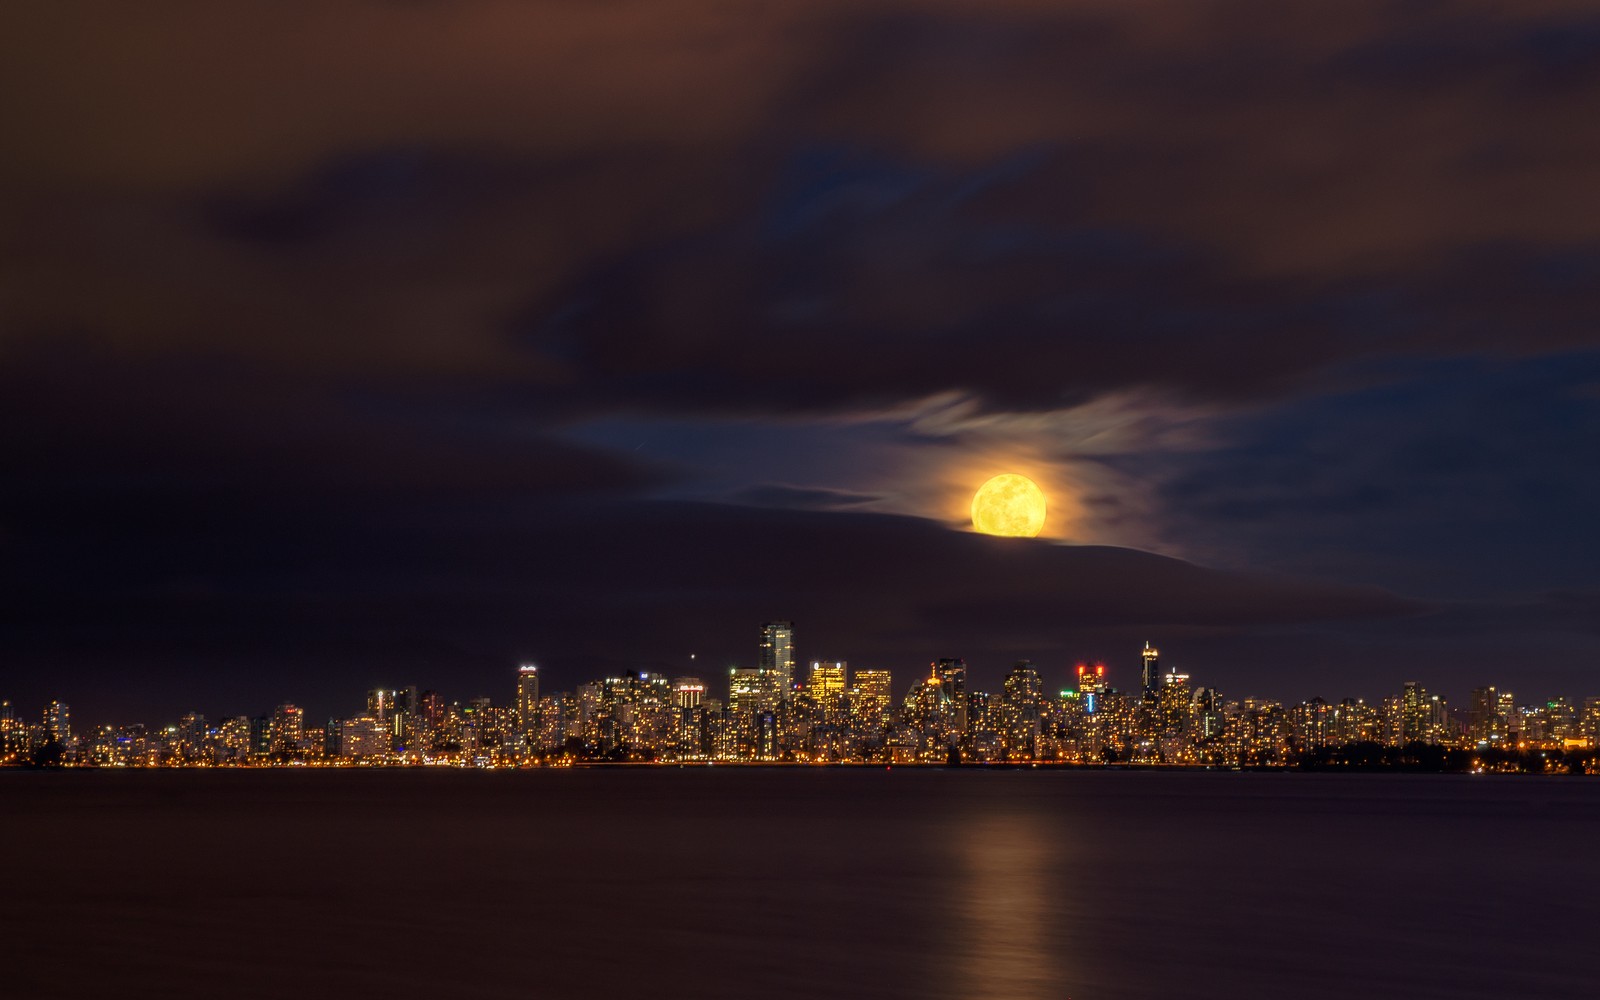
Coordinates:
(797, 885)
(1004, 917)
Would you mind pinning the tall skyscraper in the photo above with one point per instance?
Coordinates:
(1152, 673)
(952, 677)
(776, 657)
(527, 700)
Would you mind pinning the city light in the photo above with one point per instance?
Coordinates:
(837, 716)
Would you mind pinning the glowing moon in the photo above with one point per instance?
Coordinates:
(1009, 504)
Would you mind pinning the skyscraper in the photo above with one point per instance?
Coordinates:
(527, 700)
(1091, 684)
(952, 676)
(827, 679)
(776, 657)
(1021, 704)
(288, 724)
(872, 695)
(57, 722)
(747, 690)
(1152, 673)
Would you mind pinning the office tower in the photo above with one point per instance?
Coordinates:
(1152, 673)
(827, 679)
(688, 692)
(527, 700)
(1172, 704)
(952, 677)
(57, 722)
(748, 690)
(871, 696)
(776, 657)
(1484, 723)
(1091, 685)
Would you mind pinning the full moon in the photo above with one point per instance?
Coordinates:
(1009, 504)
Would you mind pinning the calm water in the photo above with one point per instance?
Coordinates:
(797, 883)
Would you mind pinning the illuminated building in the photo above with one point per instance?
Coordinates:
(234, 736)
(285, 732)
(776, 658)
(192, 736)
(688, 692)
(1420, 717)
(363, 738)
(380, 704)
(1206, 714)
(1151, 675)
(827, 679)
(1021, 707)
(952, 677)
(747, 690)
(1091, 685)
(1485, 723)
(1173, 702)
(870, 701)
(1313, 724)
(260, 736)
(527, 700)
(13, 734)
(57, 723)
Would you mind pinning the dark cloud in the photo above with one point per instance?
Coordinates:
(801, 497)
(308, 310)
(459, 589)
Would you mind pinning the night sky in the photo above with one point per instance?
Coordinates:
(358, 343)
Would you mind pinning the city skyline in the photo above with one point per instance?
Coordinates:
(1136, 672)
(830, 714)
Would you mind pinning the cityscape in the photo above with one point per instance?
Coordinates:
(774, 713)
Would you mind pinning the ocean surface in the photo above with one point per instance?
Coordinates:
(777, 883)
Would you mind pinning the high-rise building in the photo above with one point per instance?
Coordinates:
(776, 657)
(380, 704)
(748, 690)
(1091, 685)
(871, 696)
(1151, 658)
(288, 724)
(1485, 724)
(688, 692)
(952, 677)
(828, 679)
(1022, 709)
(57, 722)
(527, 700)
(233, 735)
